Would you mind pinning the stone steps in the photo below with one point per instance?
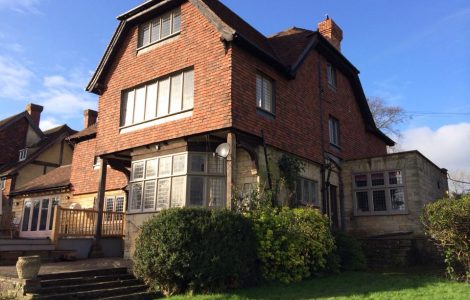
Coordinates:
(9, 258)
(97, 284)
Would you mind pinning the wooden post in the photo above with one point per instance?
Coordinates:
(56, 226)
(96, 250)
(231, 167)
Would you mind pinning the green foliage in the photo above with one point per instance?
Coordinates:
(350, 252)
(447, 222)
(290, 168)
(196, 250)
(256, 200)
(292, 243)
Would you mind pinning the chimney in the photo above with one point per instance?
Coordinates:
(89, 117)
(34, 111)
(331, 31)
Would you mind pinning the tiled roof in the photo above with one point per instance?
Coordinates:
(290, 44)
(7, 120)
(57, 178)
(90, 131)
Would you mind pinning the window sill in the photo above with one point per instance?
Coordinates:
(158, 121)
(139, 49)
(265, 113)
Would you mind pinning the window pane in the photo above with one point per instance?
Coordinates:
(163, 194)
(267, 95)
(178, 191)
(197, 163)
(155, 30)
(151, 102)
(138, 171)
(55, 202)
(179, 164)
(361, 180)
(380, 203)
(34, 219)
(313, 193)
(362, 201)
(305, 191)
(151, 168)
(216, 165)
(259, 90)
(164, 166)
(395, 177)
(139, 109)
(298, 190)
(163, 97)
(196, 191)
(166, 25)
(109, 206)
(26, 213)
(397, 197)
(377, 179)
(176, 20)
(176, 93)
(120, 204)
(127, 114)
(149, 195)
(44, 211)
(136, 192)
(188, 90)
(217, 192)
(144, 34)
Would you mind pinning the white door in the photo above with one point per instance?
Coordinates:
(37, 219)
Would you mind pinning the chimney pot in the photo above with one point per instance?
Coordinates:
(331, 31)
(35, 111)
(89, 117)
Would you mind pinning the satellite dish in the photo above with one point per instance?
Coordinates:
(223, 150)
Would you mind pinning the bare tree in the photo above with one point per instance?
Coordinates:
(386, 117)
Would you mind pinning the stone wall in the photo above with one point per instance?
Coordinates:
(424, 182)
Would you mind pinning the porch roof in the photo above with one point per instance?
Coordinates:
(58, 178)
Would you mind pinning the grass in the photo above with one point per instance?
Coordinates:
(354, 285)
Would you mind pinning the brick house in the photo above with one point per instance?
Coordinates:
(180, 78)
(27, 153)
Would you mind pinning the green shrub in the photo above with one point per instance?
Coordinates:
(292, 243)
(350, 252)
(447, 222)
(196, 250)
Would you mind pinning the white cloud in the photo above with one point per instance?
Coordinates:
(58, 81)
(49, 123)
(448, 146)
(67, 103)
(14, 78)
(21, 6)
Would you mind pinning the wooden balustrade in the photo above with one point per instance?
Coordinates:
(82, 223)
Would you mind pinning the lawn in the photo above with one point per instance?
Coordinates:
(355, 285)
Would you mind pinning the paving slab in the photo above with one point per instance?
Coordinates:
(71, 266)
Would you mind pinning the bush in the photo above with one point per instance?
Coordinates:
(350, 252)
(292, 243)
(196, 250)
(447, 222)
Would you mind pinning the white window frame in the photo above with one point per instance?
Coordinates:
(186, 173)
(23, 154)
(173, 13)
(128, 118)
(299, 190)
(387, 187)
(114, 207)
(334, 131)
(331, 76)
(261, 98)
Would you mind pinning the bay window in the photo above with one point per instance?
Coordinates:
(379, 193)
(183, 179)
(160, 98)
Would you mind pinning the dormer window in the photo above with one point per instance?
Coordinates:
(23, 154)
(160, 28)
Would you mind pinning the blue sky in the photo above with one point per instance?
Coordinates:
(411, 53)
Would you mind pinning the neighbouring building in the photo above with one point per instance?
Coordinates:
(27, 153)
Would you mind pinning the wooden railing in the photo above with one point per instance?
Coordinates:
(82, 223)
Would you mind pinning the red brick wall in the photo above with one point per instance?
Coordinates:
(84, 177)
(296, 126)
(12, 140)
(198, 45)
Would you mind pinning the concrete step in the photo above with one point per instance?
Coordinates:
(9, 241)
(91, 273)
(96, 294)
(91, 286)
(83, 280)
(27, 247)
